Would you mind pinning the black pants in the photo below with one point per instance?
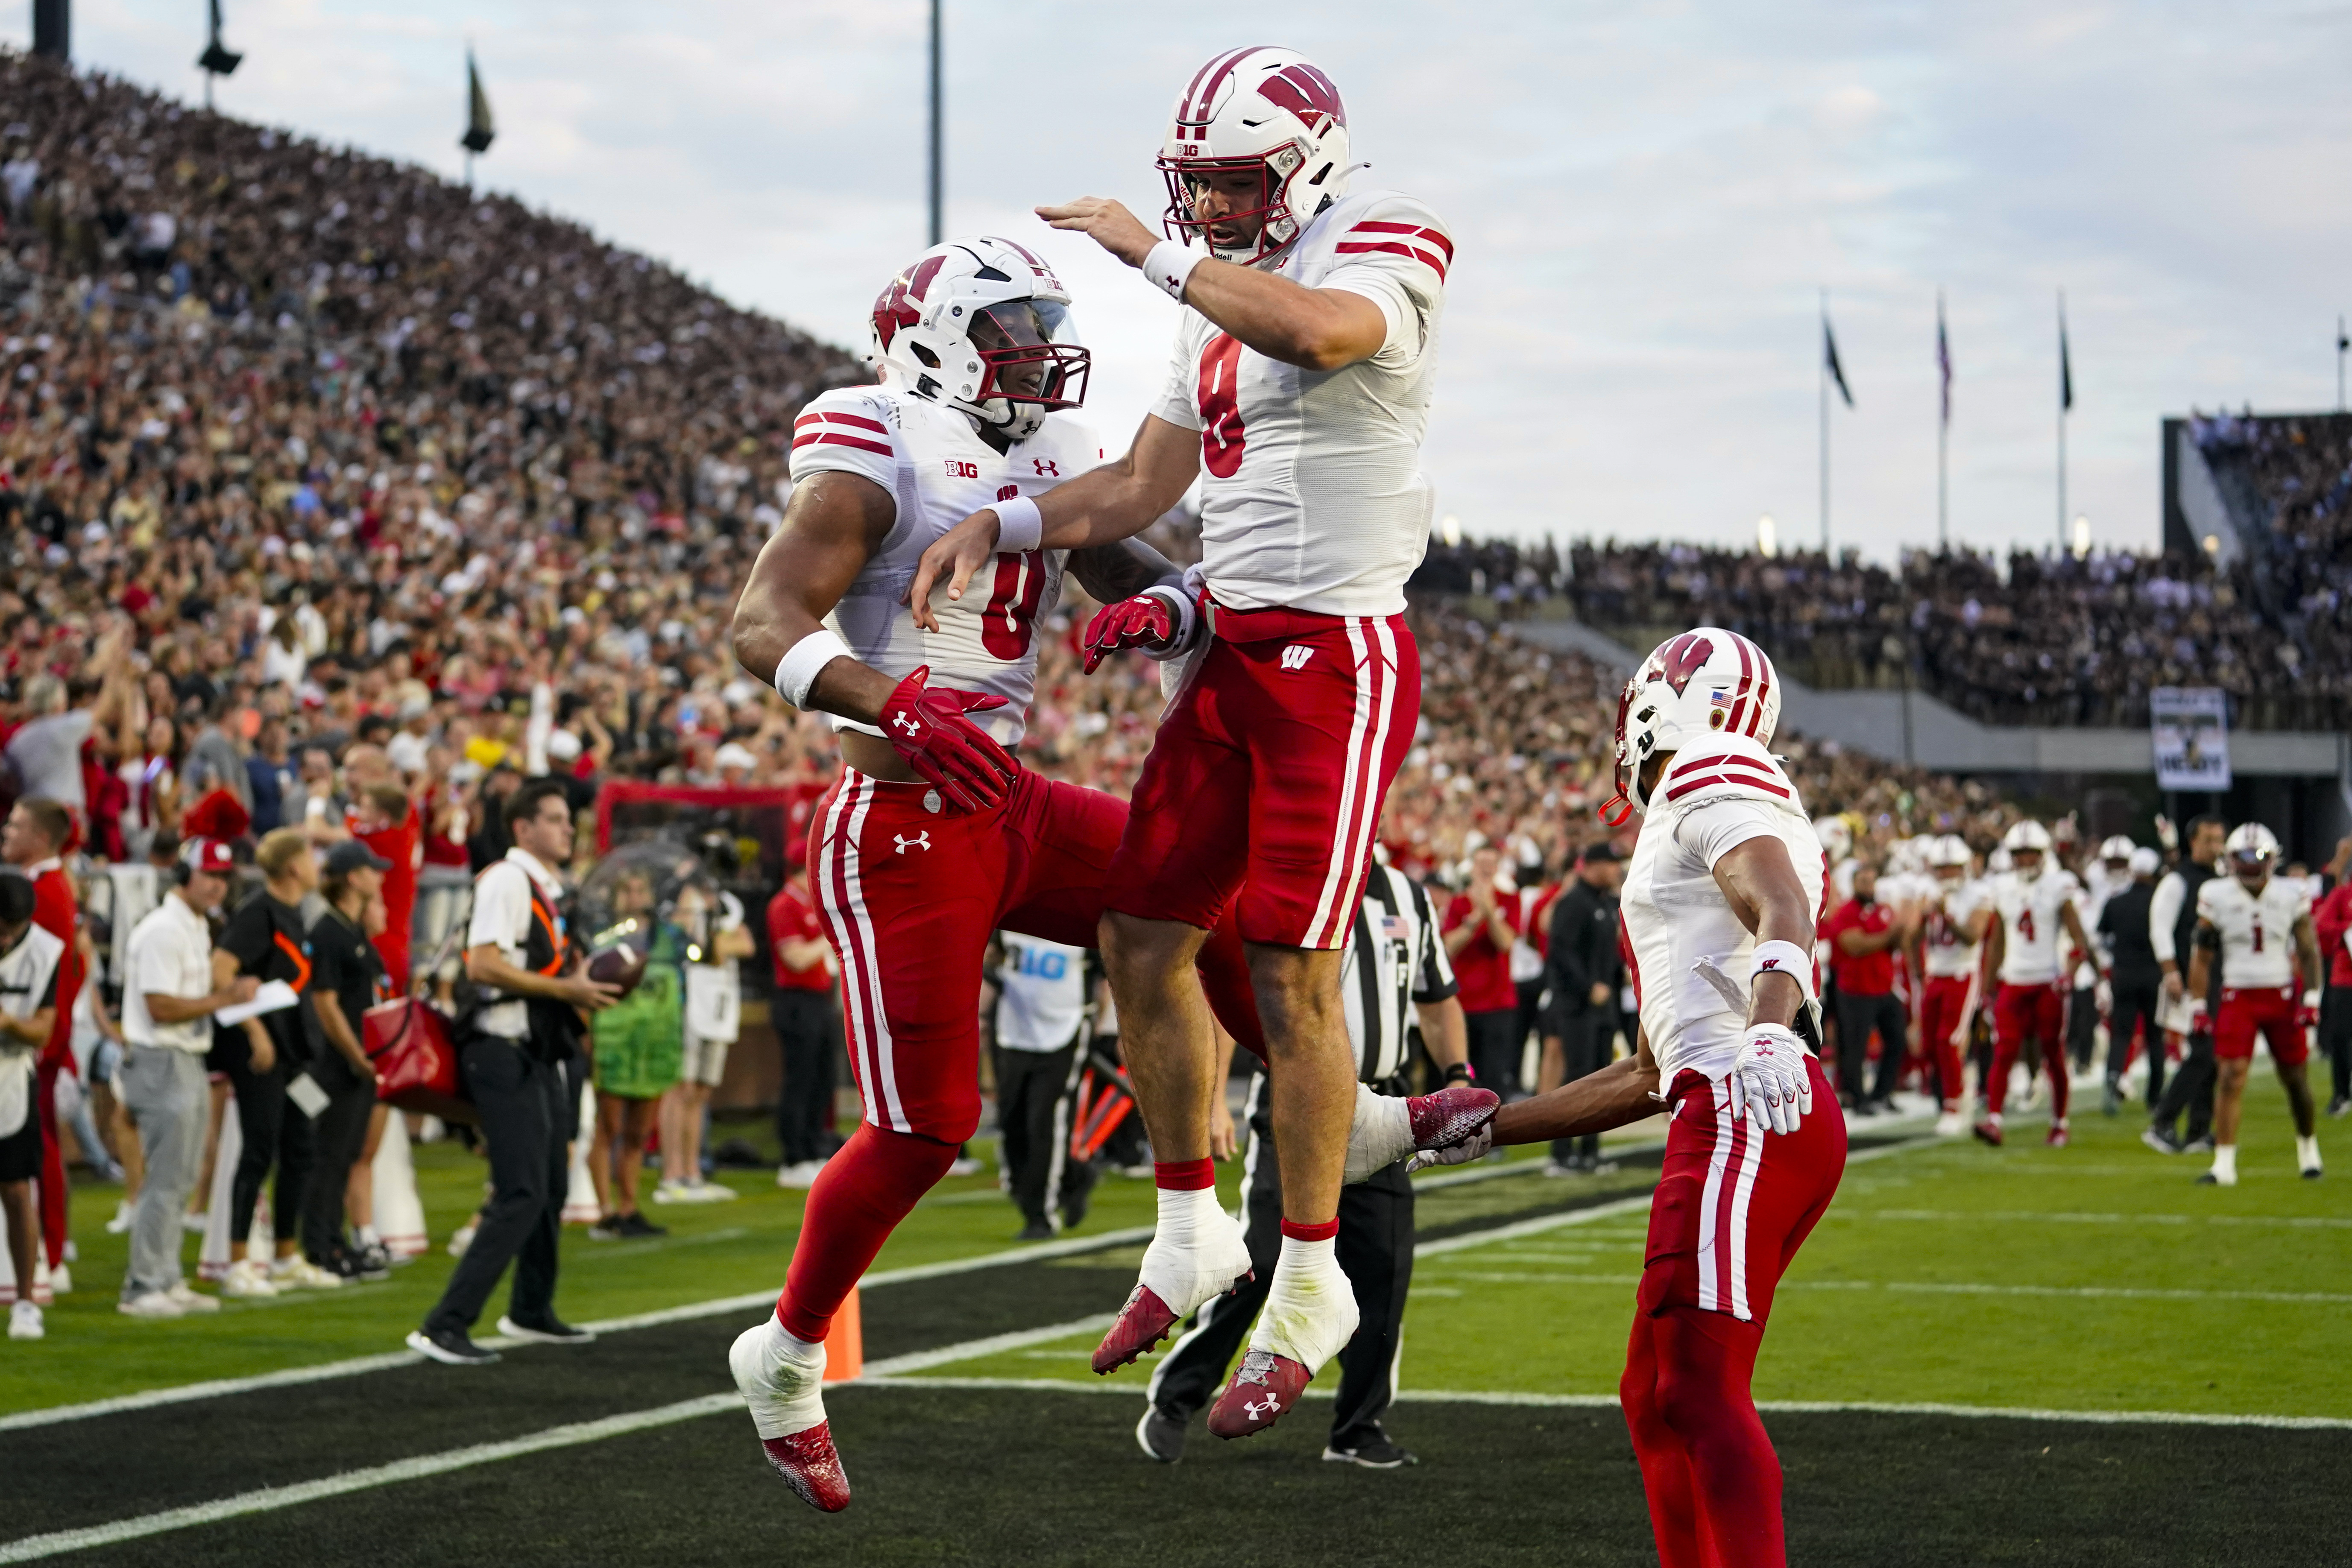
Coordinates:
(2135, 1007)
(2191, 1090)
(1035, 1091)
(1496, 1046)
(1375, 1251)
(2082, 1019)
(1587, 1037)
(274, 1132)
(808, 1029)
(520, 1100)
(2336, 1036)
(341, 1133)
(1531, 1009)
(1857, 1015)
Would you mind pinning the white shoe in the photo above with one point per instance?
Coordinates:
(965, 1165)
(62, 1279)
(1951, 1125)
(121, 1223)
(711, 1192)
(25, 1321)
(674, 1192)
(298, 1272)
(152, 1304)
(244, 1279)
(41, 1293)
(460, 1241)
(191, 1300)
(193, 1223)
(802, 1175)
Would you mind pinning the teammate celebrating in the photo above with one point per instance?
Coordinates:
(2259, 926)
(1956, 917)
(1301, 383)
(934, 837)
(1720, 905)
(2034, 902)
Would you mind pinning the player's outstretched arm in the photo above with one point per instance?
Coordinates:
(1100, 507)
(1313, 328)
(833, 525)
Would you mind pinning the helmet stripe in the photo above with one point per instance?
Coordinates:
(1763, 689)
(1194, 110)
(1746, 678)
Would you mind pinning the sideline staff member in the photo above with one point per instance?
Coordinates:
(1395, 970)
(513, 1052)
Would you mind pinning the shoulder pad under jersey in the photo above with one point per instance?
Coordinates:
(1726, 768)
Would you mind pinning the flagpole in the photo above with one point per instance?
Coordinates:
(938, 157)
(1824, 359)
(1943, 431)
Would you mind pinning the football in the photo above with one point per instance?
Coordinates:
(623, 965)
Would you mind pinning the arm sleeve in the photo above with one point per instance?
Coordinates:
(2163, 914)
(1432, 974)
(850, 430)
(1716, 829)
(1396, 254)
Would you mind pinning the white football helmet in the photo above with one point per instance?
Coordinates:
(1261, 110)
(2145, 862)
(1707, 682)
(1836, 838)
(984, 325)
(2027, 837)
(2252, 850)
(1948, 852)
(2118, 848)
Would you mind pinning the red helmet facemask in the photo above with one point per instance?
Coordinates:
(1185, 176)
(1012, 338)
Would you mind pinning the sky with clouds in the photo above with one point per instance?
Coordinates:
(1648, 199)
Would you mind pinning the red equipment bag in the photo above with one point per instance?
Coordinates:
(412, 1048)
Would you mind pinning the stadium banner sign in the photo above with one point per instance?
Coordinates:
(2190, 727)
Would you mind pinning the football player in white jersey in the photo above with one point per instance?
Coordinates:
(1720, 905)
(2258, 925)
(1298, 392)
(1956, 916)
(934, 837)
(2034, 902)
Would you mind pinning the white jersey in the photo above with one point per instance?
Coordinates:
(1950, 954)
(1731, 791)
(1311, 490)
(2031, 927)
(2257, 929)
(939, 472)
(29, 982)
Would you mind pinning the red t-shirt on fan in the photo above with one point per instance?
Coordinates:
(1870, 973)
(401, 845)
(1482, 970)
(792, 917)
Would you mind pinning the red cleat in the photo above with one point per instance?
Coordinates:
(1264, 1387)
(2057, 1138)
(1452, 1114)
(810, 1466)
(1143, 1322)
(1989, 1132)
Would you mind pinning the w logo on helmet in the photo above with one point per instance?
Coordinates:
(1683, 658)
(1307, 93)
(896, 305)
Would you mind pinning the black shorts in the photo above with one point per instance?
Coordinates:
(20, 1151)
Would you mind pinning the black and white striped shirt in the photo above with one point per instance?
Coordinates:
(1395, 959)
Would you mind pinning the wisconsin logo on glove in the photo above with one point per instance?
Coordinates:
(950, 752)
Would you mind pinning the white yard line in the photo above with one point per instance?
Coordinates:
(1930, 1287)
(2009, 1216)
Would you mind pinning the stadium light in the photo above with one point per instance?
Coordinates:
(1450, 530)
(1768, 537)
(2082, 537)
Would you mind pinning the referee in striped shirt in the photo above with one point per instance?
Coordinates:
(1395, 978)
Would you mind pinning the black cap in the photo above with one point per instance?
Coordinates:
(350, 855)
(16, 898)
(1601, 854)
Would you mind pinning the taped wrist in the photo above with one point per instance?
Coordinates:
(808, 657)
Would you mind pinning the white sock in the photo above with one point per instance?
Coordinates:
(1380, 1134)
(2306, 1152)
(367, 1238)
(1310, 1309)
(1188, 1213)
(2225, 1162)
(793, 1368)
(1197, 1251)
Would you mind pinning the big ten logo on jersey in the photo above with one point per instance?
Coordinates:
(1043, 965)
(958, 469)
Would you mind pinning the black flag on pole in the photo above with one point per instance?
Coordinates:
(218, 58)
(2066, 364)
(1829, 361)
(1942, 359)
(479, 130)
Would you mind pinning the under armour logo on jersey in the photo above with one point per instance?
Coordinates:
(921, 840)
(908, 722)
(1047, 467)
(1295, 657)
(1270, 1405)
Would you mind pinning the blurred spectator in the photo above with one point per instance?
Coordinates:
(1042, 995)
(28, 1010)
(347, 979)
(712, 922)
(638, 1043)
(1478, 932)
(1864, 935)
(806, 1011)
(1583, 971)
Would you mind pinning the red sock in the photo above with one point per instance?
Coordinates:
(1295, 1230)
(1185, 1176)
(2004, 1057)
(865, 1190)
(1665, 1463)
(1704, 1362)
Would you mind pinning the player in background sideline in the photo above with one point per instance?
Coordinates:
(2259, 927)
(1719, 907)
(934, 837)
(2034, 902)
(2171, 924)
(1301, 382)
(1949, 940)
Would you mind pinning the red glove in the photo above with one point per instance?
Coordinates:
(1151, 620)
(953, 755)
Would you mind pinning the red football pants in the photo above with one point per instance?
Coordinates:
(2023, 1012)
(1942, 1008)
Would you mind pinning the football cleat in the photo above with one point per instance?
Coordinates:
(1387, 1129)
(1988, 1131)
(783, 1393)
(1264, 1387)
(1177, 1282)
(810, 1466)
(2056, 1140)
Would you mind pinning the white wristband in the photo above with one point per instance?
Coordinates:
(1168, 265)
(810, 655)
(1785, 958)
(1020, 528)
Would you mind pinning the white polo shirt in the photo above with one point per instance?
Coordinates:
(172, 956)
(502, 919)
